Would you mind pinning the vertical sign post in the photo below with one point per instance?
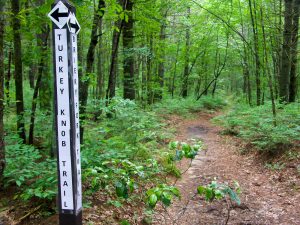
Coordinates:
(65, 31)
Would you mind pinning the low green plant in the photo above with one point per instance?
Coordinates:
(256, 126)
(185, 107)
(217, 191)
(162, 193)
(29, 170)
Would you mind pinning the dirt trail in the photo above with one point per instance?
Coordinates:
(267, 197)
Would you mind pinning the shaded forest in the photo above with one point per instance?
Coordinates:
(142, 62)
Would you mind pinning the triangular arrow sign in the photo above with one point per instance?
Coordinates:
(59, 14)
(73, 24)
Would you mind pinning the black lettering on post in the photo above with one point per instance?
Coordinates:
(62, 112)
(63, 133)
(61, 80)
(65, 184)
(75, 70)
(60, 48)
(60, 59)
(64, 163)
(64, 123)
(61, 69)
(75, 81)
(65, 204)
(62, 91)
(64, 173)
(63, 144)
(64, 193)
(74, 49)
(59, 35)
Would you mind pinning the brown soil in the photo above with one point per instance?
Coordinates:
(268, 197)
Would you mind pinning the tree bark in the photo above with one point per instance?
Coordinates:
(84, 84)
(252, 8)
(100, 66)
(187, 59)
(161, 66)
(294, 52)
(2, 147)
(284, 78)
(8, 77)
(129, 81)
(43, 43)
(16, 24)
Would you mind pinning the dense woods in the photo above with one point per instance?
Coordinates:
(139, 60)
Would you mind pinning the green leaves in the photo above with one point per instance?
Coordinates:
(185, 150)
(219, 191)
(163, 194)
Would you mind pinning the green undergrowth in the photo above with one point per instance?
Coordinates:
(256, 126)
(118, 152)
(185, 107)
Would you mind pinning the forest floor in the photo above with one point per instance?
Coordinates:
(268, 196)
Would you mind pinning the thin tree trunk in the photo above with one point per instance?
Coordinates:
(8, 77)
(161, 64)
(84, 84)
(100, 67)
(268, 70)
(43, 43)
(187, 59)
(256, 50)
(294, 52)
(45, 90)
(2, 146)
(111, 89)
(284, 78)
(175, 71)
(129, 81)
(18, 69)
(149, 72)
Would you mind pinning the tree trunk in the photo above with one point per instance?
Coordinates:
(294, 48)
(268, 70)
(129, 81)
(2, 147)
(284, 78)
(43, 43)
(149, 72)
(16, 24)
(256, 51)
(84, 84)
(100, 67)
(161, 65)
(187, 59)
(8, 77)
(45, 90)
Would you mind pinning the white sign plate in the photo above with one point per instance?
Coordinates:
(77, 126)
(59, 14)
(63, 119)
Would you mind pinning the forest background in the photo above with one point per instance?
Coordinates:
(140, 60)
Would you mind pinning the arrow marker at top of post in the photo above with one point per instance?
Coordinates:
(73, 24)
(59, 14)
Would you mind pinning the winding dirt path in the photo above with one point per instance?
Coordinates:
(267, 197)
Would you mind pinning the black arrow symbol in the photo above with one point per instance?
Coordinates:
(56, 15)
(75, 26)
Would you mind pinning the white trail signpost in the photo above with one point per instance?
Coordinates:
(65, 30)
